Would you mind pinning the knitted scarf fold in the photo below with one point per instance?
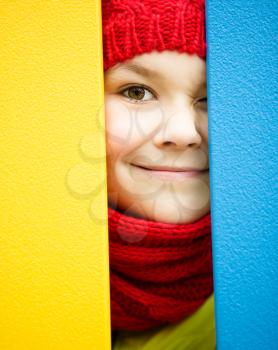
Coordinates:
(159, 273)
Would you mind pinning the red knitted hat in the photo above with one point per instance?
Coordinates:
(134, 27)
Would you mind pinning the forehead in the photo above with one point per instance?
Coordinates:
(170, 66)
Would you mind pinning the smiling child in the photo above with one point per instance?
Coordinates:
(158, 174)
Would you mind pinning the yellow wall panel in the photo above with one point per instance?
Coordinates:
(54, 269)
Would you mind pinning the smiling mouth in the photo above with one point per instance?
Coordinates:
(171, 174)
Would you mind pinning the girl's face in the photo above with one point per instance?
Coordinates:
(156, 135)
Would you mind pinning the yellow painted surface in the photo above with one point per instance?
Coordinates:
(54, 268)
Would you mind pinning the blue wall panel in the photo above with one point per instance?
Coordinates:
(243, 139)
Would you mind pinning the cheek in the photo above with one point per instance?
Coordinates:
(129, 127)
(118, 124)
(203, 127)
(148, 120)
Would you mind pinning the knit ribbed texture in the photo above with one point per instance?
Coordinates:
(133, 27)
(159, 273)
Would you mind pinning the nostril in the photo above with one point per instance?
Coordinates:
(167, 142)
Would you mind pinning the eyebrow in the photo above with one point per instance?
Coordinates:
(140, 70)
(146, 72)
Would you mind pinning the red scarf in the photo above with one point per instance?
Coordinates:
(159, 273)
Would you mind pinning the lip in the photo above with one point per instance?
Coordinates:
(168, 168)
(169, 173)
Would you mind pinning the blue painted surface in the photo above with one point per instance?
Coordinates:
(243, 141)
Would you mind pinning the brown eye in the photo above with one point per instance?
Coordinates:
(137, 93)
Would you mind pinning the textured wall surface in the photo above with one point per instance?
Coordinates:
(243, 123)
(53, 233)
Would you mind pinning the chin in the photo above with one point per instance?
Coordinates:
(176, 220)
(172, 214)
(164, 208)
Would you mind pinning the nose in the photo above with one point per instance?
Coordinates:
(179, 130)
